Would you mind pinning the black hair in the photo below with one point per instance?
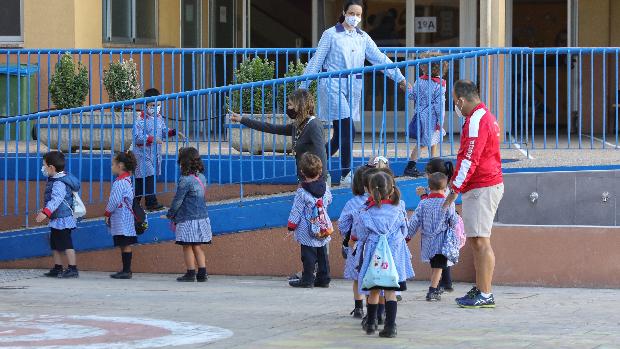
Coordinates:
(466, 89)
(56, 159)
(346, 6)
(383, 187)
(310, 165)
(151, 92)
(190, 161)
(359, 180)
(437, 181)
(440, 165)
(128, 159)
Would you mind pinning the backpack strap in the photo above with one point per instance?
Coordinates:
(204, 190)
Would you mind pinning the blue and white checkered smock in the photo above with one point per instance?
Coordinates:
(345, 223)
(300, 215)
(387, 219)
(147, 131)
(433, 221)
(429, 96)
(119, 207)
(338, 49)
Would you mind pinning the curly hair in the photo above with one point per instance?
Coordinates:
(437, 68)
(128, 159)
(190, 161)
(310, 165)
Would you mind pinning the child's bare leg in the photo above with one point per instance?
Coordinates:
(390, 296)
(188, 255)
(373, 298)
(126, 249)
(70, 256)
(200, 256)
(435, 277)
(57, 255)
(356, 292)
(434, 151)
(414, 154)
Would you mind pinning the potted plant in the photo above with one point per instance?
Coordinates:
(121, 81)
(68, 87)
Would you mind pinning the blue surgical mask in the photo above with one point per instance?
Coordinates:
(44, 171)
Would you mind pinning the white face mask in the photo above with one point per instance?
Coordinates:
(352, 20)
(44, 171)
(458, 111)
(151, 110)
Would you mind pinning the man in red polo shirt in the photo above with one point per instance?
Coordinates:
(478, 177)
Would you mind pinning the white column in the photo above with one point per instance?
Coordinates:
(410, 24)
(492, 23)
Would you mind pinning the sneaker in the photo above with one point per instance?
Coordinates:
(412, 172)
(187, 278)
(470, 294)
(447, 289)
(299, 284)
(370, 328)
(399, 298)
(477, 301)
(53, 273)
(433, 296)
(202, 278)
(346, 180)
(388, 332)
(321, 284)
(69, 274)
(121, 275)
(357, 313)
(296, 276)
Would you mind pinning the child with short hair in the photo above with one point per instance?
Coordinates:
(119, 214)
(190, 216)
(439, 241)
(311, 224)
(150, 132)
(384, 216)
(429, 96)
(350, 247)
(58, 202)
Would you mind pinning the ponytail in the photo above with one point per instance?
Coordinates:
(395, 196)
(128, 159)
(449, 169)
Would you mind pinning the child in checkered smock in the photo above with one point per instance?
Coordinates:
(310, 223)
(118, 212)
(350, 247)
(189, 215)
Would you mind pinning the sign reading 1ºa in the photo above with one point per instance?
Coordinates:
(426, 24)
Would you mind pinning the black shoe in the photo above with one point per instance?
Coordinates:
(69, 274)
(388, 331)
(201, 278)
(121, 275)
(296, 276)
(187, 277)
(156, 207)
(53, 273)
(399, 298)
(380, 319)
(321, 284)
(299, 284)
(370, 328)
(446, 289)
(412, 172)
(364, 319)
(357, 313)
(433, 296)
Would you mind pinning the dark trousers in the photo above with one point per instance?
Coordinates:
(446, 278)
(146, 187)
(311, 256)
(344, 132)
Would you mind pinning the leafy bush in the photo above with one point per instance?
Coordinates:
(256, 69)
(121, 81)
(68, 88)
(295, 69)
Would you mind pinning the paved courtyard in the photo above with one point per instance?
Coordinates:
(259, 312)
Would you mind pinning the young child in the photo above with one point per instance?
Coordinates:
(447, 168)
(150, 132)
(189, 215)
(350, 248)
(59, 210)
(429, 96)
(438, 231)
(118, 212)
(384, 216)
(311, 224)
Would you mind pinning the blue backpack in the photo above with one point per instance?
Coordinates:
(381, 270)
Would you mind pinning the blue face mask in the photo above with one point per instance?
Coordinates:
(44, 171)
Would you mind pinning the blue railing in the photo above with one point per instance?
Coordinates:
(508, 78)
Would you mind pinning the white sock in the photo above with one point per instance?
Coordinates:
(486, 295)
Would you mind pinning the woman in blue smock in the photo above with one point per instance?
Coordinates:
(344, 46)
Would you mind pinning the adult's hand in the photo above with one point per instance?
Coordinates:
(234, 117)
(405, 86)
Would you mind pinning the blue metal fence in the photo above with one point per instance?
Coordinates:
(544, 98)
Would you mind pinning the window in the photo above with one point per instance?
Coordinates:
(130, 21)
(11, 21)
